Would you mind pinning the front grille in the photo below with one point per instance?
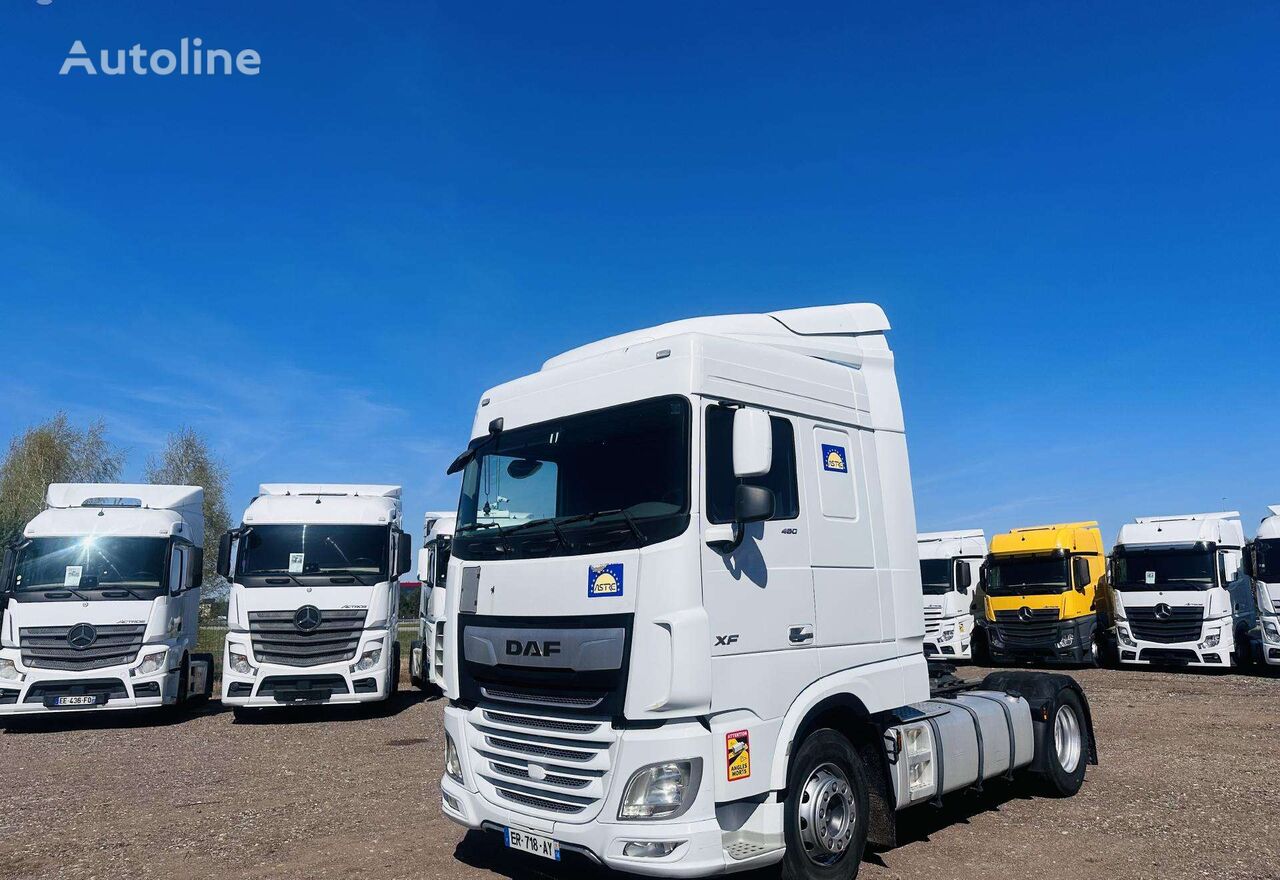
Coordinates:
(1275, 605)
(111, 688)
(1181, 625)
(8, 697)
(277, 640)
(1168, 655)
(932, 621)
(1037, 630)
(46, 647)
(530, 697)
(290, 687)
(555, 767)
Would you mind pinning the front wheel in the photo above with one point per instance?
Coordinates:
(393, 671)
(827, 810)
(1065, 742)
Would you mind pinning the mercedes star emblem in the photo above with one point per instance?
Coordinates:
(1163, 612)
(1024, 613)
(307, 618)
(81, 636)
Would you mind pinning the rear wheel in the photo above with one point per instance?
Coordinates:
(1065, 742)
(827, 810)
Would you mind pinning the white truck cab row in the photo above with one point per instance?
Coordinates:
(100, 601)
(699, 650)
(1179, 593)
(950, 566)
(426, 654)
(314, 603)
(1263, 563)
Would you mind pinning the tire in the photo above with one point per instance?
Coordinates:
(978, 647)
(393, 673)
(827, 810)
(1065, 744)
(244, 715)
(184, 683)
(1242, 656)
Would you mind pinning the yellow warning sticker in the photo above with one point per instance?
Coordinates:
(737, 747)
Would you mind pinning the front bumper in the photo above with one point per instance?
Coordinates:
(113, 688)
(1134, 651)
(1009, 642)
(952, 640)
(276, 684)
(596, 833)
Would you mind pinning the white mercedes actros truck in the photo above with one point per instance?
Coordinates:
(1262, 562)
(426, 653)
(950, 563)
(1179, 592)
(702, 649)
(101, 599)
(315, 594)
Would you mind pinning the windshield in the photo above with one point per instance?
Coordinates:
(589, 482)
(292, 552)
(1027, 576)
(935, 576)
(1268, 550)
(83, 565)
(1163, 569)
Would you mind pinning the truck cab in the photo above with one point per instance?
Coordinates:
(101, 599)
(950, 565)
(1040, 590)
(700, 650)
(1262, 562)
(1179, 592)
(426, 653)
(314, 605)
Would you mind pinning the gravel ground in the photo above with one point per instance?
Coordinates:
(1187, 787)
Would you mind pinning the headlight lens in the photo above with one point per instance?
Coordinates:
(1125, 638)
(151, 663)
(452, 765)
(240, 664)
(1272, 630)
(1067, 641)
(369, 658)
(659, 791)
(947, 635)
(9, 671)
(1212, 640)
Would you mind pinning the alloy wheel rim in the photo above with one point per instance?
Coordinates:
(827, 815)
(1066, 738)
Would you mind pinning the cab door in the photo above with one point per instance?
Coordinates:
(758, 595)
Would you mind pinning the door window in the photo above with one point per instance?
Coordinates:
(781, 478)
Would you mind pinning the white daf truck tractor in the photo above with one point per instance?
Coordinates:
(1262, 562)
(101, 599)
(950, 563)
(314, 604)
(702, 650)
(1179, 592)
(426, 653)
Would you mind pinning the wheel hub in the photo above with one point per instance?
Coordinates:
(826, 814)
(1066, 738)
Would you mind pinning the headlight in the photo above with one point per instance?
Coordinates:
(452, 766)
(369, 658)
(659, 791)
(1067, 641)
(1269, 627)
(947, 635)
(151, 663)
(241, 665)
(1125, 638)
(1212, 640)
(9, 671)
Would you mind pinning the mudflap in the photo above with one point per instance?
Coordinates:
(1040, 690)
(200, 681)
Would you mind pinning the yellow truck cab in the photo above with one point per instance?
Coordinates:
(1039, 593)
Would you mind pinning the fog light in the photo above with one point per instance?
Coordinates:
(240, 664)
(1211, 640)
(659, 791)
(368, 659)
(451, 802)
(452, 764)
(1067, 641)
(150, 664)
(650, 849)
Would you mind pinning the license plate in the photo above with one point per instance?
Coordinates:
(84, 700)
(532, 843)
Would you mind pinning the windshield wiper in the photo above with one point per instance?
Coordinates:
(554, 522)
(346, 572)
(476, 526)
(630, 520)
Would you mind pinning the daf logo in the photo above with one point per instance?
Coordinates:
(81, 636)
(534, 648)
(307, 618)
(1163, 612)
(1024, 613)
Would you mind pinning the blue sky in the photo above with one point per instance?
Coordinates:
(1071, 216)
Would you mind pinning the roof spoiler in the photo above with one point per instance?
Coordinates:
(1189, 517)
(144, 495)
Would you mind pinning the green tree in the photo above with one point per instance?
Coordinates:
(52, 452)
(187, 460)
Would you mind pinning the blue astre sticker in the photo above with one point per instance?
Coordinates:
(834, 459)
(604, 580)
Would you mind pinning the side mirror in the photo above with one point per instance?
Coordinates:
(752, 443)
(1249, 561)
(404, 553)
(197, 567)
(964, 578)
(224, 554)
(1080, 570)
(752, 503)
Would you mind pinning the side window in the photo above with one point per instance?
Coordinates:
(781, 479)
(177, 570)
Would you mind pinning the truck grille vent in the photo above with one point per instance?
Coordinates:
(46, 647)
(1037, 629)
(1181, 624)
(277, 640)
(932, 621)
(437, 659)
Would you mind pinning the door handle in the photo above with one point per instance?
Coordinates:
(800, 634)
